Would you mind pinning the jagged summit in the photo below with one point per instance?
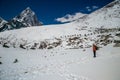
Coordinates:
(1, 19)
(27, 10)
(25, 13)
(2, 22)
(28, 17)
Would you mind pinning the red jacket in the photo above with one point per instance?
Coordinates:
(94, 47)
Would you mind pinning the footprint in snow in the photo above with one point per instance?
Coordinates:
(75, 77)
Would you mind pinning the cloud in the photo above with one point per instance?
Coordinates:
(87, 7)
(94, 7)
(69, 18)
(90, 8)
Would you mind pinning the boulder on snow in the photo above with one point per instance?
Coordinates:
(117, 45)
(5, 45)
(0, 62)
(15, 61)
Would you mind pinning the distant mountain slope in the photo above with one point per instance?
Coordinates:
(44, 32)
(63, 35)
(44, 36)
(26, 18)
(108, 16)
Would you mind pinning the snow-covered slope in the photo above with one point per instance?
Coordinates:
(68, 35)
(108, 16)
(60, 64)
(46, 34)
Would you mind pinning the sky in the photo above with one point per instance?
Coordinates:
(48, 11)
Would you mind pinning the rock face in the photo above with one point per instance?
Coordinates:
(2, 23)
(26, 18)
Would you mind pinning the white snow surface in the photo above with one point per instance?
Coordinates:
(60, 64)
(44, 32)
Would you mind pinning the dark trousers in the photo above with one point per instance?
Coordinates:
(94, 52)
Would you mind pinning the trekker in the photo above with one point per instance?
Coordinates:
(94, 50)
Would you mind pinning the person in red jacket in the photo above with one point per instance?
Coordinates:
(94, 50)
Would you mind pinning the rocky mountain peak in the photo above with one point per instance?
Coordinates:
(28, 17)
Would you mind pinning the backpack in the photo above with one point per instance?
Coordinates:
(97, 48)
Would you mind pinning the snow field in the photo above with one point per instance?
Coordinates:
(60, 64)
